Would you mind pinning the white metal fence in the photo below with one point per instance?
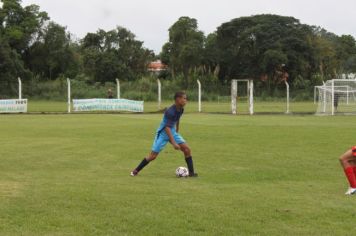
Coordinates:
(237, 97)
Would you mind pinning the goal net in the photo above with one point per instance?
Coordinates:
(337, 96)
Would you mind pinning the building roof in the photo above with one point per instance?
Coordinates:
(157, 66)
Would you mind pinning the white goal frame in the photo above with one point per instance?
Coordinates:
(234, 95)
(334, 90)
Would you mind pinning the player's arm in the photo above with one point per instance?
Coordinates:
(171, 139)
(177, 126)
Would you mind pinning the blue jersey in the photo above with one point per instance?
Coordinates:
(170, 118)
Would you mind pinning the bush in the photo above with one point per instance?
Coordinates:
(45, 90)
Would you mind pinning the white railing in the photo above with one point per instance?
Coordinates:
(20, 88)
(199, 95)
(69, 95)
(159, 94)
(287, 88)
(118, 88)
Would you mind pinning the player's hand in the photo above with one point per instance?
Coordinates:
(176, 146)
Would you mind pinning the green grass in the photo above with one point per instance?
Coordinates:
(259, 175)
(208, 107)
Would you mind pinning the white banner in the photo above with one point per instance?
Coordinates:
(13, 106)
(107, 105)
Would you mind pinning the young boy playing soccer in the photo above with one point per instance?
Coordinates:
(168, 132)
(348, 162)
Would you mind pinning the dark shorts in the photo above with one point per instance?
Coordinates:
(353, 151)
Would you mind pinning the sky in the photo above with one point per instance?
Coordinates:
(150, 20)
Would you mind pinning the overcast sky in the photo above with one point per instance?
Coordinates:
(150, 20)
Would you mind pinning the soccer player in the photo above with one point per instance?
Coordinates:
(348, 162)
(168, 132)
(110, 94)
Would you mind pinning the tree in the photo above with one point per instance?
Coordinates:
(20, 25)
(346, 53)
(52, 55)
(324, 51)
(18, 28)
(114, 54)
(185, 47)
(11, 67)
(211, 53)
(256, 47)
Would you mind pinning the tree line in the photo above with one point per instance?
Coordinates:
(266, 48)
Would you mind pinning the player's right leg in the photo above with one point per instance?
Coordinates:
(159, 143)
(151, 157)
(347, 161)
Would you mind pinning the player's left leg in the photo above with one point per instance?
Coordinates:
(188, 159)
(347, 161)
(187, 154)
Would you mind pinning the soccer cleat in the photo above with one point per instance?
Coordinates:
(351, 191)
(134, 173)
(193, 174)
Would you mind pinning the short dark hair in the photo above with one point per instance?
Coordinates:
(179, 95)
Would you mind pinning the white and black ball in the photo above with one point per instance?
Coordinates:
(182, 172)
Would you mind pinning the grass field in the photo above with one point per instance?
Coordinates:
(259, 175)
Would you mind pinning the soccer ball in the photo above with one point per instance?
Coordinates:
(182, 172)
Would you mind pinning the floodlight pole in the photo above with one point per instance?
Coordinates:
(287, 87)
(199, 95)
(159, 94)
(69, 95)
(118, 88)
(20, 88)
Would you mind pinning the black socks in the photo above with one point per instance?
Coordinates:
(143, 163)
(189, 161)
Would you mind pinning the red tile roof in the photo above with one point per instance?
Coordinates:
(157, 66)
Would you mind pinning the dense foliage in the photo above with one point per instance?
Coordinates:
(267, 48)
(37, 50)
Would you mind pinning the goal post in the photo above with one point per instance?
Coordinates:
(237, 92)
(337, 96)
(250, 95)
